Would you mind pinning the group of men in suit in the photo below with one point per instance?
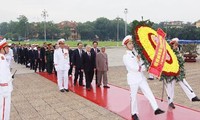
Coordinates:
(90, 62)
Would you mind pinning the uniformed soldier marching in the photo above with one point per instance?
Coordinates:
(62, 65)
(5, 82)
(136, 78)
(183, 83)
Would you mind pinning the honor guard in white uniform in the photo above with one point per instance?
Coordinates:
(10, 56)
(183, 83)
(5, 82)
(136, 78)
(62, 65)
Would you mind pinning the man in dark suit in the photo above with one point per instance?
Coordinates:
(77, 64)
(70, 60)
(38, 59)
(43, 50)
(95, 50)
(89, 66)
(31, 54)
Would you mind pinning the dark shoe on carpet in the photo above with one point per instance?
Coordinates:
(62, 90)
(135, 117)
(171, 105)
(158, 111)
(106, 86)
(66, 90)
(81, 85)
(150, 78)
(194, 99)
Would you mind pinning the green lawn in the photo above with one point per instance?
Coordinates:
(72, 43)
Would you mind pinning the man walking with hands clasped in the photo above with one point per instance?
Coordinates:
(61, 62)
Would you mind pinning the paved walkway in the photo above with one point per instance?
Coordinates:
(35, 98)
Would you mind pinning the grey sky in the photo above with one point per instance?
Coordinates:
(89, 10)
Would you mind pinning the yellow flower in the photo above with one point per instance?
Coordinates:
(145, 39)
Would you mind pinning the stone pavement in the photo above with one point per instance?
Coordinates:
(35, 98)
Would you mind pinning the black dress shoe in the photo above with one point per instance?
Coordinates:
(106, 86)
(158, 111)
(194, 99)
(62, 90)
(171, 105)
(150, 78)
(135, 117)
(66, 90)
(81, 85)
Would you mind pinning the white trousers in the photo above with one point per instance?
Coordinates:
(184, 85)
(147, 93)
(5, 101)
(62, 79)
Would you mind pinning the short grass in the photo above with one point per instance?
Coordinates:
(72, 43)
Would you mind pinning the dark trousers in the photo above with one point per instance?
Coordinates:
(38, 62)
(79, 73)
(95, 76)
(49, 65)
(70, 70)
(43, 65)
(88, 78)
(32, 64)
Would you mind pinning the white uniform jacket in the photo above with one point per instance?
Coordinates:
(9, 56)
(5, 76)
(61, 59)
(132, 65)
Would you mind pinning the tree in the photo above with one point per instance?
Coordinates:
(102, 28)
(22, 26)
(3, 28)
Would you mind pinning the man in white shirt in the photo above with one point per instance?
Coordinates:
(61, 62)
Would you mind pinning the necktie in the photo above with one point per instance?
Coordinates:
(133, 53)
(80, 53)
(62, 51)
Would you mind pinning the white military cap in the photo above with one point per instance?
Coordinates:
(174, 40)
(61, 41)
(3, 43)
(126, 40)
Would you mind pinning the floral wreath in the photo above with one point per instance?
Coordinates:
(145, 45)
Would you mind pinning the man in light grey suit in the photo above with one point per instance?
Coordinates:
(102, 68)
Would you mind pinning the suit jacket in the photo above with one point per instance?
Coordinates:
(93, 51)
(42, 52)
(102, 62)
(36, 54)
(77, 59)
(61, 59)
(89, 62)
(31, 54)
(70, 56)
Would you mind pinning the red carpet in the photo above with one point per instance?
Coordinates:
(117, 100)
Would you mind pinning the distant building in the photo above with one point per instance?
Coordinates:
(73, 29)
(173, 24)
(197, 23)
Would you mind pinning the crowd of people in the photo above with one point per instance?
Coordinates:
(88, 64)
(60, 59)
